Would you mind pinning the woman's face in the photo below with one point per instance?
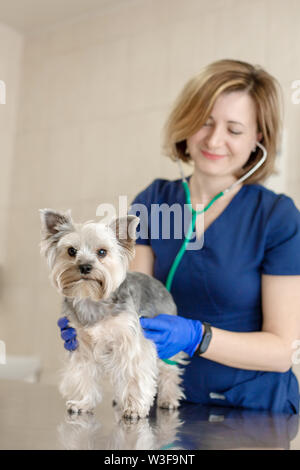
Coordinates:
(224, 143)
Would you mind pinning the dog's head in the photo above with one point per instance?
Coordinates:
(87, 260)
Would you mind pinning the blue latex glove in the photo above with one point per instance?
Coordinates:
(172, 334)
(68, 334)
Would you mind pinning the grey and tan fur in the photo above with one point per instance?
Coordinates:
(103, 301)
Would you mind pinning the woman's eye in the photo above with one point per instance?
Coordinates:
(101, 253)
(72, 251)
(234, 132)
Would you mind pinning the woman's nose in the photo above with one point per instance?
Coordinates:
(214, 138)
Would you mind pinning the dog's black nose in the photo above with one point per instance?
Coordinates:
(85, 268)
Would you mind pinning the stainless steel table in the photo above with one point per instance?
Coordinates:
(33, 416)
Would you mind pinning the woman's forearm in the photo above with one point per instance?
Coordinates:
(254, 351)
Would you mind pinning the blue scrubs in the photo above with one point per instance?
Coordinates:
(220, 283)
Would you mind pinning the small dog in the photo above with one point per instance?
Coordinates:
(103, 302)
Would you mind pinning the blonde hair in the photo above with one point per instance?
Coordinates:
(194, 104)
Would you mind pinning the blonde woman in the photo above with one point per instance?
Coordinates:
(238, 290)
(238, 296)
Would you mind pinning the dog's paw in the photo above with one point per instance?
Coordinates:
(168, 404)
(132, 414)
(78, 407)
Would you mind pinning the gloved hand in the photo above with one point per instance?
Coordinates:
(68, 334)
(172, 334)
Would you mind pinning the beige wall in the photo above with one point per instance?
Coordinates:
(95, 94)
(11, 48)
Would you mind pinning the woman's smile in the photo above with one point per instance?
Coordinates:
(212, 156)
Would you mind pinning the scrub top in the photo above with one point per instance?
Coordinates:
(220, 282)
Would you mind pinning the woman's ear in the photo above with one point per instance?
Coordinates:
(259, 136)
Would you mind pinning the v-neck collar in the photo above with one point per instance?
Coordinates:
(227, 209)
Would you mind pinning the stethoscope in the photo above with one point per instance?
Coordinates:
(196, 213)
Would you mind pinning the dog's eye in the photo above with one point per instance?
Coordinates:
(72, 252)
(101, 253)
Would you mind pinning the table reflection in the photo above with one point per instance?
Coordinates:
(191, 427)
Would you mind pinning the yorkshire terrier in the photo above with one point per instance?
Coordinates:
(103, 302)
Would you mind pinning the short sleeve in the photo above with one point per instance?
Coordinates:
(282, 249)
(141, 207)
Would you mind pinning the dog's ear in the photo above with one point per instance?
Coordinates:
(125, 231)
(54, 226)
(54, 223)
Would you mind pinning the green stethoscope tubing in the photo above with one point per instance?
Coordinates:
(181, 252)
(186, 241)
(191, 229)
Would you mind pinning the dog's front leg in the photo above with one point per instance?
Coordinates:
(80, 384)
(138, 372)
(131, 364)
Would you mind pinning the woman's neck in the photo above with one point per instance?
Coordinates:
(204, 188)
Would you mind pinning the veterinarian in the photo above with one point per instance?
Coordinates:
(238, 294)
